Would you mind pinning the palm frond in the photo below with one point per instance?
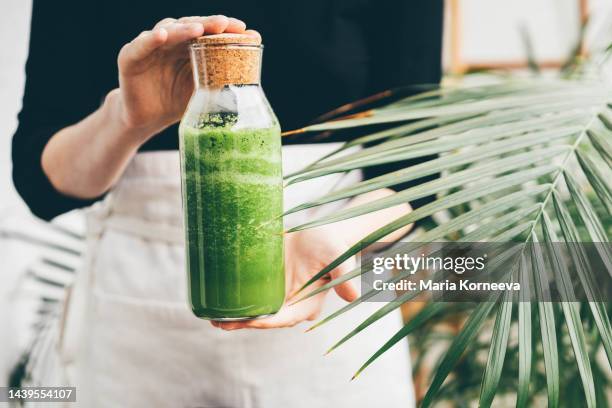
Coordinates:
(512, 157)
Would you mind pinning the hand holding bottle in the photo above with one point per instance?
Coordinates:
(306, 253)
(309, 251)
(155, 80)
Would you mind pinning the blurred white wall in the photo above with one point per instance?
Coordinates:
(14, 32)
(490, 30)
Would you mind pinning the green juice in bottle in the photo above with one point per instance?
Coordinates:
(231, 169)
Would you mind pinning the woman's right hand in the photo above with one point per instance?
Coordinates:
(155, 81)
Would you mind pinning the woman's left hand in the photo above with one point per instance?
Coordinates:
(306, 253)
(309, 251)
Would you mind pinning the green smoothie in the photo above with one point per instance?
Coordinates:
(233, 199)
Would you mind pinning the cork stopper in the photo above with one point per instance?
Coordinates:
(226, 59)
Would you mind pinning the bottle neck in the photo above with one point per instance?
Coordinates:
(216, 66)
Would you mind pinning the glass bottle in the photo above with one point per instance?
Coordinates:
(230, 149)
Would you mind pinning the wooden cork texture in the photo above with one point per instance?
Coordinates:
(226, 59)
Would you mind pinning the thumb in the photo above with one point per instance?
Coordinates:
(347, 291)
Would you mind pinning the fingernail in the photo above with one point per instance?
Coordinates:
(236, 20)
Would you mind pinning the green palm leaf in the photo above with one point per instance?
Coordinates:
(570, 310)
(589, 219)
(429, 311)
(598, 309)
(497, 352)
(601, 144)
(597, 180)
(547, 324)
(456, 349)
(505, 151)
(438, 147)
(524, 334)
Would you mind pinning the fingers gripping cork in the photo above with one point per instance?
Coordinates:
(227, 59)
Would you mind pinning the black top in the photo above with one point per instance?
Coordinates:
(341, 49)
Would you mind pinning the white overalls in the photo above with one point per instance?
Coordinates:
(129, 339)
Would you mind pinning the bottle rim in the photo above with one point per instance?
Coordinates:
(199, 45)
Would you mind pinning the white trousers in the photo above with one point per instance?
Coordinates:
(128, 338)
